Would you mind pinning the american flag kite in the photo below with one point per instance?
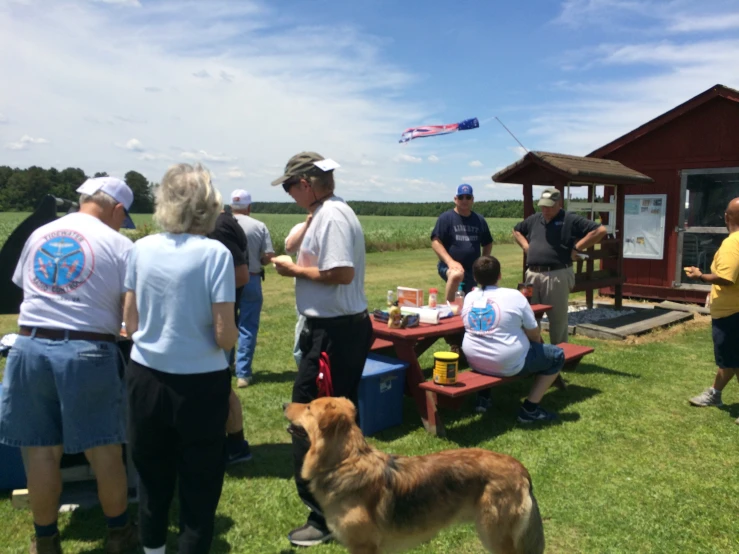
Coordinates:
(433, 130)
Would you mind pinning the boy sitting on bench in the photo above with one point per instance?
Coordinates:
(502, 338)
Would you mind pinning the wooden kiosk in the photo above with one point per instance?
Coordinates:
(604, 267)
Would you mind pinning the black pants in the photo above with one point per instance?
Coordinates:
(177, 431)
(347, 342)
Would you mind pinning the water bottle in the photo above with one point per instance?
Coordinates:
(459, 297)
(390, 298)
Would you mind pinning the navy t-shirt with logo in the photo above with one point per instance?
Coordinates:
(462, 237)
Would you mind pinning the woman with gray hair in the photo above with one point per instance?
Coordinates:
(179, 312)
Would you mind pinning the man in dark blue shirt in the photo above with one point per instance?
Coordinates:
(551, 240)
(457, 238)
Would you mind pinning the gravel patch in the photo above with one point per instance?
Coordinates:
(580, 314)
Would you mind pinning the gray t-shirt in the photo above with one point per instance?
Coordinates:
(334, 239)
(258, 241)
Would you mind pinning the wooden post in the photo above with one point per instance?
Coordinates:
(528, 209)
(619, 289)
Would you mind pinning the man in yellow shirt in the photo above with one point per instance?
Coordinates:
(724, 279)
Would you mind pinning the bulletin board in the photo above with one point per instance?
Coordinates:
(644, 226)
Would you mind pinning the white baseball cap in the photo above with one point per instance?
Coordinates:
(114, 188)
(240, 199)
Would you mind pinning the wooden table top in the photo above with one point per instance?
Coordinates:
(448, 326)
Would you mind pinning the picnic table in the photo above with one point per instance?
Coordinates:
(411, 343)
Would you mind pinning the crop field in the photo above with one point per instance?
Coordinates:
(382, 233)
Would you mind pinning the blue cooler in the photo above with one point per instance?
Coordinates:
(12, 472)
(381, 393)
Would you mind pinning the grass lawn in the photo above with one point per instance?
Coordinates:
(631, 467)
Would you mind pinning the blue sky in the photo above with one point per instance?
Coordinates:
(113, 85)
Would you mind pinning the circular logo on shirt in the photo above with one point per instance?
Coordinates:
(62, 262)
(483, 316)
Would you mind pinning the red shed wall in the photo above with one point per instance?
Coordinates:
(705, 137)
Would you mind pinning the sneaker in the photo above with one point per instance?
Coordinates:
(483, 405)
(243, 454)
(46, 545)
(243, 382)
(707, 398)
(539, 414)
(122, 539)
(309, 535)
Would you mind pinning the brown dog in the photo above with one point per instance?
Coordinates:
(376, 503)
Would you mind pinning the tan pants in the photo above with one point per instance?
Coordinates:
(553, 288)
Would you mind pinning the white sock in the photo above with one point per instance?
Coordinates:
(159, 550)
(714, 391)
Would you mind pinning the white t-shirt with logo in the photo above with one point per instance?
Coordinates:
(494, 322)
(334, 239)
(72, 271)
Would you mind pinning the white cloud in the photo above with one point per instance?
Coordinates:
(433, 159)
(203, 156)
(134, 145)
(24, 142)
(3, 118)
(652, 72)
(129, 3)
(235, 173)
(406, 158)
(284, 96)
(519, 151)
(475, 163)
(150, 156)
(605, 13)
(692, 24)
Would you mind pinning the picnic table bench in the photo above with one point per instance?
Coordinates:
(469, 382)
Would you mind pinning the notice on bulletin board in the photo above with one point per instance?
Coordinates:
(644, 226)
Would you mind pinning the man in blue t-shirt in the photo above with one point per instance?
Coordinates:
(457, 238)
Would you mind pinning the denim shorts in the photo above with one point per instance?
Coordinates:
(63, 392)
(468, 280)
(543, 359)
(725, 332)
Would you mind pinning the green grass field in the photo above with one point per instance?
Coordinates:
(630, 468)
(382, 234)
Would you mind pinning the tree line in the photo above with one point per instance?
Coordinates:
(22, 189)
(491, 208)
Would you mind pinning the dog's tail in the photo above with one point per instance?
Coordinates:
(530, 536)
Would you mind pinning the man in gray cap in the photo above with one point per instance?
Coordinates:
(551, 240)
(329, 292)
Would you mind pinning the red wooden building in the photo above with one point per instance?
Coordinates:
(692, 153)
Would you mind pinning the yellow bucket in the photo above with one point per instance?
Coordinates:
(445, 368)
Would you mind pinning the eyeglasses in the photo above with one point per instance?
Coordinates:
(287, 185)
(464, 196)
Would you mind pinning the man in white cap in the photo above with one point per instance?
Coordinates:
(260, 250)
(62, 383)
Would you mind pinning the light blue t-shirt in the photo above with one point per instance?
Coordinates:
(177, 278)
